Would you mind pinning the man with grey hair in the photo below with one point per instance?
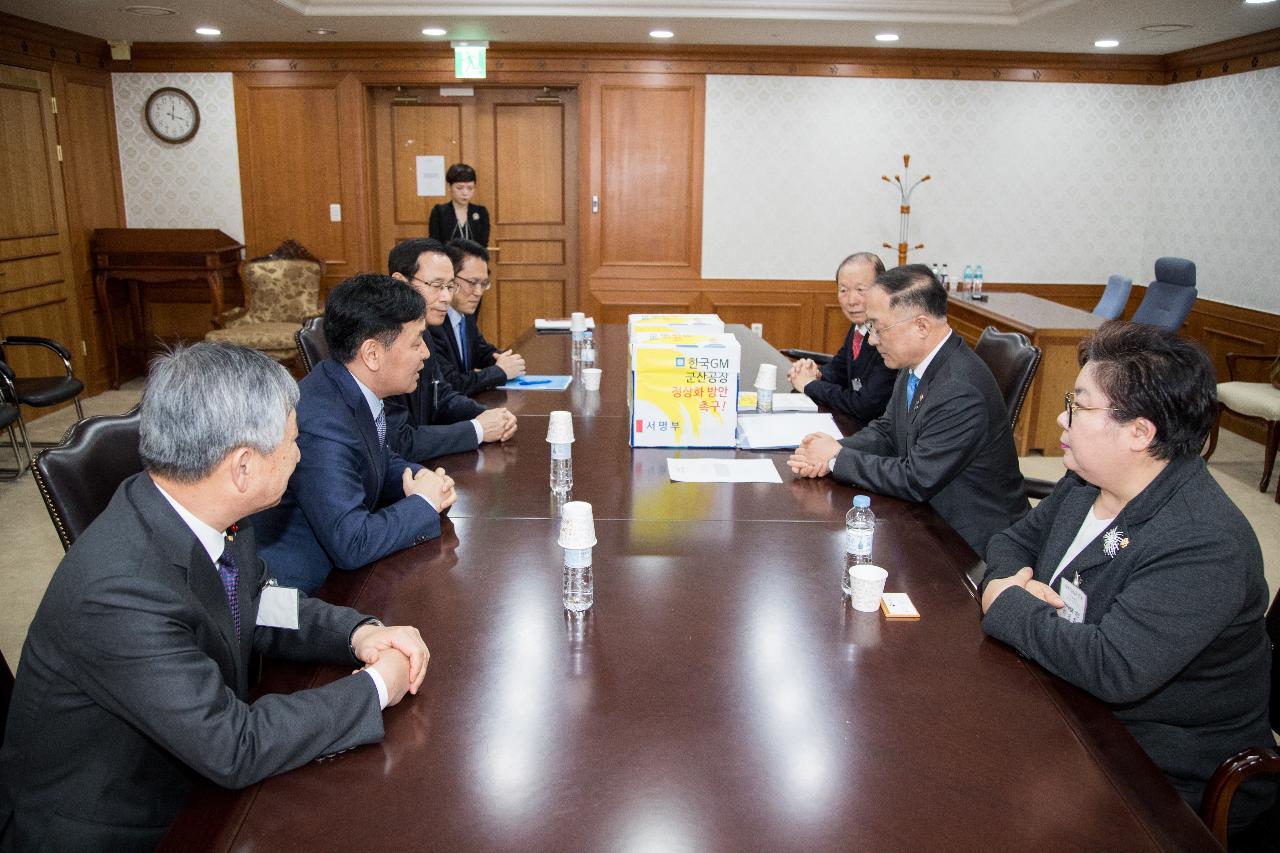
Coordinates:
(134, 678)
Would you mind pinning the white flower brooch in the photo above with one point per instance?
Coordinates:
(1113, 540)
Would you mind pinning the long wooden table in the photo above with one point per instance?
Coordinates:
(1053, 327)
(720, 694)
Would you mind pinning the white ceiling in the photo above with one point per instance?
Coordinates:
(1027, 25)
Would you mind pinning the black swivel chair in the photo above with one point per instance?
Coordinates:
(1169, 298)
(312, 347)
(41, 391)
(78, 477)
(10, 415)
(818, 358)
(1013, 361)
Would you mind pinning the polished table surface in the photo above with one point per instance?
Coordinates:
(720, 694)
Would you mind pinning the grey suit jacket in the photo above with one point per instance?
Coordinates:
(132, 683)
(1173, 637)
(953, 449)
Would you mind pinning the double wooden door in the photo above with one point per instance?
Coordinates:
(523, 145)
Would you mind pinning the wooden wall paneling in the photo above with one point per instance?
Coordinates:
(834, 326)
(614, 306)
(517, 252)
(94, 194)
(524, 300)
(785, 318)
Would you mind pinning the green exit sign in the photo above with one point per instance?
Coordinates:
(468, 62)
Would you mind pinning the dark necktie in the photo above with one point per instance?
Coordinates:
(857, 343)
(380, 423)
(462, 344)
(230, 582)
(912, 382)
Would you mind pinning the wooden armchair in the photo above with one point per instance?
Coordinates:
(1253, 400)
(282, 289)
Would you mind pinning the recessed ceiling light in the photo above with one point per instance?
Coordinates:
(1166, 28)
(148, 11)
(208, 31)
(886, 37)
(435, 31)
(1257, 2)
(323, 32)
(1106, 43)
(661, 34)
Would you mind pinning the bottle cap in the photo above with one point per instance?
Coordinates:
(861, 501)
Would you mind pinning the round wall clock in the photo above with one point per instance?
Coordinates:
(172, 115)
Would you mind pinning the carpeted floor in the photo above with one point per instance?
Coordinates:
(29, 548)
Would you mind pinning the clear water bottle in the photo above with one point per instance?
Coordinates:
(588, 358)
(977, 281)
(946, 278)
(859, 533)
(968, 280)
(937, 273)
(561, 468)
(579, 341)
(764, 400)
(578, 591)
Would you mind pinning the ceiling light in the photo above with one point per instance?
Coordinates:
(208, 31)
(434, 31)
(148, 11)
(661, 34)
(1166, 28)
(886, 37)
(323, 32)
(1106, 43)
(1257, 2)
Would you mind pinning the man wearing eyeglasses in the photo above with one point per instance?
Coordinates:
(467, 361)
(945, 437)
(434, 419)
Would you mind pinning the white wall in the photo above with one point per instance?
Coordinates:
(1038, 182)
(192, 185)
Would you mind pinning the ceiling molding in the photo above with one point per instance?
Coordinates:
(1234, 56)
(51, 44)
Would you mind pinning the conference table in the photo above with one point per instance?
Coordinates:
(720, 695)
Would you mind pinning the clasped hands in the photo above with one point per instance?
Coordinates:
(397, 652)
(498, 424)
(802, 373)
(813, 457)
(511, 363)
(1023, 579)
(436, 486)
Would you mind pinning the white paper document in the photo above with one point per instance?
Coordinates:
(559, 325)
(722, 470)
(430, 174)
(781, 431)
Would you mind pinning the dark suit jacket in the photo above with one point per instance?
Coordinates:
(953, 450)
(1173, 637)
(443, 223)
(479, 372)
(435, 420)
(857, 387)
(132, 684)
(345, 506)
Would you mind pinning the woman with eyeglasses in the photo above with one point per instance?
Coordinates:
(1137, 579)
(458, 218)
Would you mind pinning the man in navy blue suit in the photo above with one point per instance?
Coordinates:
(856, 380)
(352, 498)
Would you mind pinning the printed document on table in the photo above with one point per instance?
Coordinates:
(558, 325)
(722, 471)
(782, 431)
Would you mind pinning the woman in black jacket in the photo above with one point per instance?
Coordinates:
(459, 218)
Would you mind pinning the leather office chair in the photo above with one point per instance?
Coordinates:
(1253, 400)
(1012, 360)
(78, 477)
(6, 693)
(1169, 298)
(39, 392)
(819, 358)
(1264, 759)
(312, 346)
(10, 415)
(1114, 297)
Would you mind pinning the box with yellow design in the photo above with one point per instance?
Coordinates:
(683, 390)
(692, 324)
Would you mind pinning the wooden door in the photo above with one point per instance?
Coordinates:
(36, 294)
(524, 151)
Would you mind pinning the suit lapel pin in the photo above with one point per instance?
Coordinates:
(1113, 540)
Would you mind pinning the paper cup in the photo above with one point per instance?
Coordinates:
(591, 378)
(560, 428)
(767, 377)
(866, 585)
(578, 322)
(577, 527)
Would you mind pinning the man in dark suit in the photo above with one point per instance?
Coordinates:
(856, 381)
(134, 678)
(353, 499)
(468, 362)
(434, 419)
(945, 437)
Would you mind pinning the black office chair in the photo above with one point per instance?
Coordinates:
(10, 415)
(6, 693)
(41, 391)
(1012, 360)
(1263, 759)
(312, 347)
(819, 358)
(78, 477)
(1169, 298)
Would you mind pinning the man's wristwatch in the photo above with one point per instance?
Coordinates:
(351, 640)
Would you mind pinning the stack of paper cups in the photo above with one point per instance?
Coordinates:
(767, 377)
(560, 428)
(577, 526)
(577, 322)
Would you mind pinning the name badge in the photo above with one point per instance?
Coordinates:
(278, 607)
(1074, 602)
(856, 384)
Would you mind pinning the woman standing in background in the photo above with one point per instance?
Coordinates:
(459, 218)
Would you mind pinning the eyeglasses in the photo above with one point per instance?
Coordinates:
(450, 285)
(1072, 407)
(873, 329)
(481, 284)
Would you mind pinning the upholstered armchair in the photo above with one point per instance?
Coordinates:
(281, 290)
(1259, 400)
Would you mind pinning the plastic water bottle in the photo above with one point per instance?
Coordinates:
(578, 591)
(977, 281)
(579, 340)
(588, 349)
(946, 278)
(859, 533)
(968, 280)
(561, 468)
(937, 273)
(764, 400)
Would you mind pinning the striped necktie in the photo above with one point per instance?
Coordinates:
(380, 422)
(226, 566)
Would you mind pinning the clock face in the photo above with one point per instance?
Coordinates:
(172, 115)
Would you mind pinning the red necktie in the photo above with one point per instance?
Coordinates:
(856, 346)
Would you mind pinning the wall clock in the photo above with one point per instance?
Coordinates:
(172, 115)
